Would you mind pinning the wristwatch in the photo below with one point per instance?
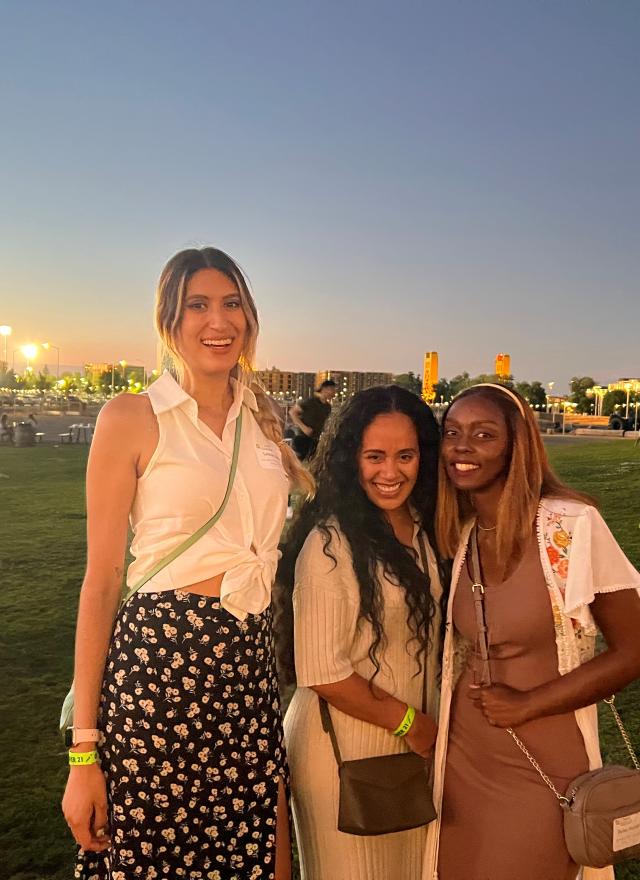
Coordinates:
(75, 735)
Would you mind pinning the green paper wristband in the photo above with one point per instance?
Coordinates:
(82, 759)
(405, 725)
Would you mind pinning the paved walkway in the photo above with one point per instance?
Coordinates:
(52, 425)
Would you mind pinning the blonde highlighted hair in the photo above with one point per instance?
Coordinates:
(529, 478)
(170, 300)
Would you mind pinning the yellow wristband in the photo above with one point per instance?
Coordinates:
(82, 758)
(405, 725)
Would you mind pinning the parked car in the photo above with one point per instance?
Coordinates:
(618, 422)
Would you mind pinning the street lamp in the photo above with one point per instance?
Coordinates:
(5, 331)
(47, 346)
(566, 404)
(29, 351)
(123, 364)
(550, 387)
(627, 387)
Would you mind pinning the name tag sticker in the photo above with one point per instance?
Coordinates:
(626, 831)
(269, 457)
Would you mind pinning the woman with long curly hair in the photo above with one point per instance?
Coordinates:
(552, 574)
(362, 598)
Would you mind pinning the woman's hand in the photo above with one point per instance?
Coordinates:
(85, 807)
(422, 735)
(503, 706)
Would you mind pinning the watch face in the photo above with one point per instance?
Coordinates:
(68, 737)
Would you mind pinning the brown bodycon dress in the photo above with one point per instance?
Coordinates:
(499, 820)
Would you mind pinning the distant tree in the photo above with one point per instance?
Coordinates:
(457, 384)
(44, 380)
(410, 381)
(613, 399)
(442, 391)
(104, 382)
(533, 392)
(579, 386)
(8, 379)
(70, 383)
(28, 380)
(493, 378)
(446, 389)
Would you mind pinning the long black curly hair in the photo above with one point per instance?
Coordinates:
(340, 499)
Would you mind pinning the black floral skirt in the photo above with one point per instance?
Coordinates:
(193, 750)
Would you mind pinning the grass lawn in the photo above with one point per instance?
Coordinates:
(42, 562)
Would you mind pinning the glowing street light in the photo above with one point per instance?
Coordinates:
(47, 346)
(599, 392)
(30, 351)
(5, 331)
(627, 387)
(550, 386)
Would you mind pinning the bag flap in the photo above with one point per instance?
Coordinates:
(386, 771)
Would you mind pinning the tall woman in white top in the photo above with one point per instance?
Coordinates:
(179, 686)
(365, 610)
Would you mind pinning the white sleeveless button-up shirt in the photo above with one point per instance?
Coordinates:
(183, 486)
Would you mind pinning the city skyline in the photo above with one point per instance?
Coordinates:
(395, 178)
(558, 386)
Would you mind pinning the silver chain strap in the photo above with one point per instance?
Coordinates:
(625, 736)
(566, 801)
(482, 638)
(562, 798)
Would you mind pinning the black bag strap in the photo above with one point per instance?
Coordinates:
(325, 714)
(327, 725)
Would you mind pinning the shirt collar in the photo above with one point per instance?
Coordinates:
(248, 397)
(168, 394)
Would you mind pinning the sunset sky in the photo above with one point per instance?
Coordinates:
(394, 177)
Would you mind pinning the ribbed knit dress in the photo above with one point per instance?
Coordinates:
(331, 643)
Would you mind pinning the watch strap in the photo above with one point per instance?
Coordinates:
(84, 735)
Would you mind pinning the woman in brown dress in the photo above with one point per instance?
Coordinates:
(552, 572)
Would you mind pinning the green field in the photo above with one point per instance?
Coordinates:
(43, 549)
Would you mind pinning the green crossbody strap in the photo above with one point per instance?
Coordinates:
(191, 540)
(66, 715)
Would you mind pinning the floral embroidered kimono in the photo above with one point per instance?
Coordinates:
(580, 558)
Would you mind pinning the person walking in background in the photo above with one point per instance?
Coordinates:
(358, 592)
(552, 574)
(178, 687)
(310, 417)
(6, 428)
